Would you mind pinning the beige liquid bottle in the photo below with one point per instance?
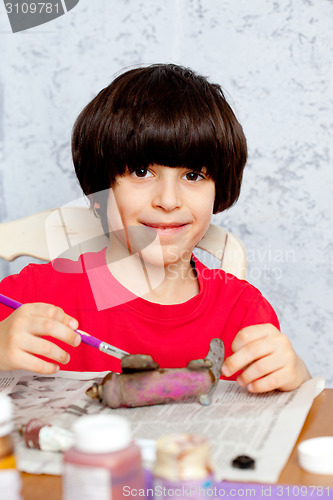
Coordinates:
(183, 467)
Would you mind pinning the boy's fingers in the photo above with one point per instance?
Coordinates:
(246, 355)
(45, 326)
(259, 369)
(41, 309)
(271, 382)
(252, 333)
(26, 361)
(43, 347)
(284, 379)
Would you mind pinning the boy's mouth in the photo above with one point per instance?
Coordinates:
(162, 227)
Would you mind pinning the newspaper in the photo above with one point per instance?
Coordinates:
(263, 426)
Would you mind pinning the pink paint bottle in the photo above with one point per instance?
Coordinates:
(103, 463)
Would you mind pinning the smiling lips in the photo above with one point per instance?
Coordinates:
(166, 228)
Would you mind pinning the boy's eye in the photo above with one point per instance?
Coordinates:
(141, 172)
(193, 176)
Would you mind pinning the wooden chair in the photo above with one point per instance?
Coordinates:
(69, 231)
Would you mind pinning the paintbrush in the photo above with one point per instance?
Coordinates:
(86, 338)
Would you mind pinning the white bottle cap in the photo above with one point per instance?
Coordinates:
(101, 433)
(11, 484)
(316, 455)
(6, 415)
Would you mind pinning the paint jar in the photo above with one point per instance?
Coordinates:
(46, 437)
(103, 463)
(183, 467)
(10, 480)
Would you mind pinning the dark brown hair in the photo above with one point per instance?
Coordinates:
(163, 114)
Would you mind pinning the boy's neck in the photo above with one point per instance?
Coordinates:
(176, 289)
(173, 284)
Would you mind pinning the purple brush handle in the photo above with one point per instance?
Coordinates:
(86, 338)
(6, 301)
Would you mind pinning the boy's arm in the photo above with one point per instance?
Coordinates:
(21, 339)
(267, 359)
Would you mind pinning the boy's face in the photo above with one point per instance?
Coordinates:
(168, 207)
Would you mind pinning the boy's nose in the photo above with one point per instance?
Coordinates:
(167, 195)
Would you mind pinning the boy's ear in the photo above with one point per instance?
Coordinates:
(95, 207)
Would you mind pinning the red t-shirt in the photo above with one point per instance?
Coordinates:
(171, 334)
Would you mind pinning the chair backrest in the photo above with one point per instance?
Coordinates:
(70, 231)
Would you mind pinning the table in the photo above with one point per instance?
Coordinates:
(318, 423)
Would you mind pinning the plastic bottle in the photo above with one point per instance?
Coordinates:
(103, 463)
(10, 481)
(183, 467)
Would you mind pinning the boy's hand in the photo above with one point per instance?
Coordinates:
(20, 338)
(267, 359)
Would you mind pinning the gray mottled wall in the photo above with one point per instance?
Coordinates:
(274, 61)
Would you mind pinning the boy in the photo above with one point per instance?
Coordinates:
(157, 152)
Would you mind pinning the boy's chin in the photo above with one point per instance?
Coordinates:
(164, 257)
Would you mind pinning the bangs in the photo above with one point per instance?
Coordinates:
(166, 119)
(172, 131)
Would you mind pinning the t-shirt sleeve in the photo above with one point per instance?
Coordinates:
(20, 287)
(260, 312)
